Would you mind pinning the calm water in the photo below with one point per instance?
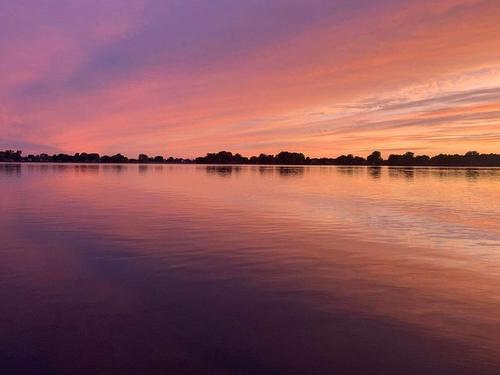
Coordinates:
(249, 270)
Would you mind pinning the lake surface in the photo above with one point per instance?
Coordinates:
(191, 269)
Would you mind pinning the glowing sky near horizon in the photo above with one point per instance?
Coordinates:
(183, 78)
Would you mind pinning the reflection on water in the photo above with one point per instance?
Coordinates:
(405, 172)
(126, 269)
(222, 170)
(291, 171)
(374, 172)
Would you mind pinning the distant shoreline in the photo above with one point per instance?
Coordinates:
(408, 159)
(248, 165)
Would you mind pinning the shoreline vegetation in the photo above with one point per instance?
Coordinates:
(469, 159)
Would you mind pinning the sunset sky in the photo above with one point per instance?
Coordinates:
(186, 77)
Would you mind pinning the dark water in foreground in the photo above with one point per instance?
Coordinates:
(249, 270)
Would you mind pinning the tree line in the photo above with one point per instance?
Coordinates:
(471, 158)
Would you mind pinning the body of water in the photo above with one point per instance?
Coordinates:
(191, 269)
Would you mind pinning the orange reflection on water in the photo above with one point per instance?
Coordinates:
(417, 249)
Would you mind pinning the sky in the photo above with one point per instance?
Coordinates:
(186, 77)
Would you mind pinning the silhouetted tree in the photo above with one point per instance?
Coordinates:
(222, 157)
(421, 160)
(375, 158)
(262, 159)
(406, 159)
(470, 158)
(472, 154)
(350, 160)
(44, 158)
(285, 157)
(62, 158)
(118, 158)
(11, 156)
